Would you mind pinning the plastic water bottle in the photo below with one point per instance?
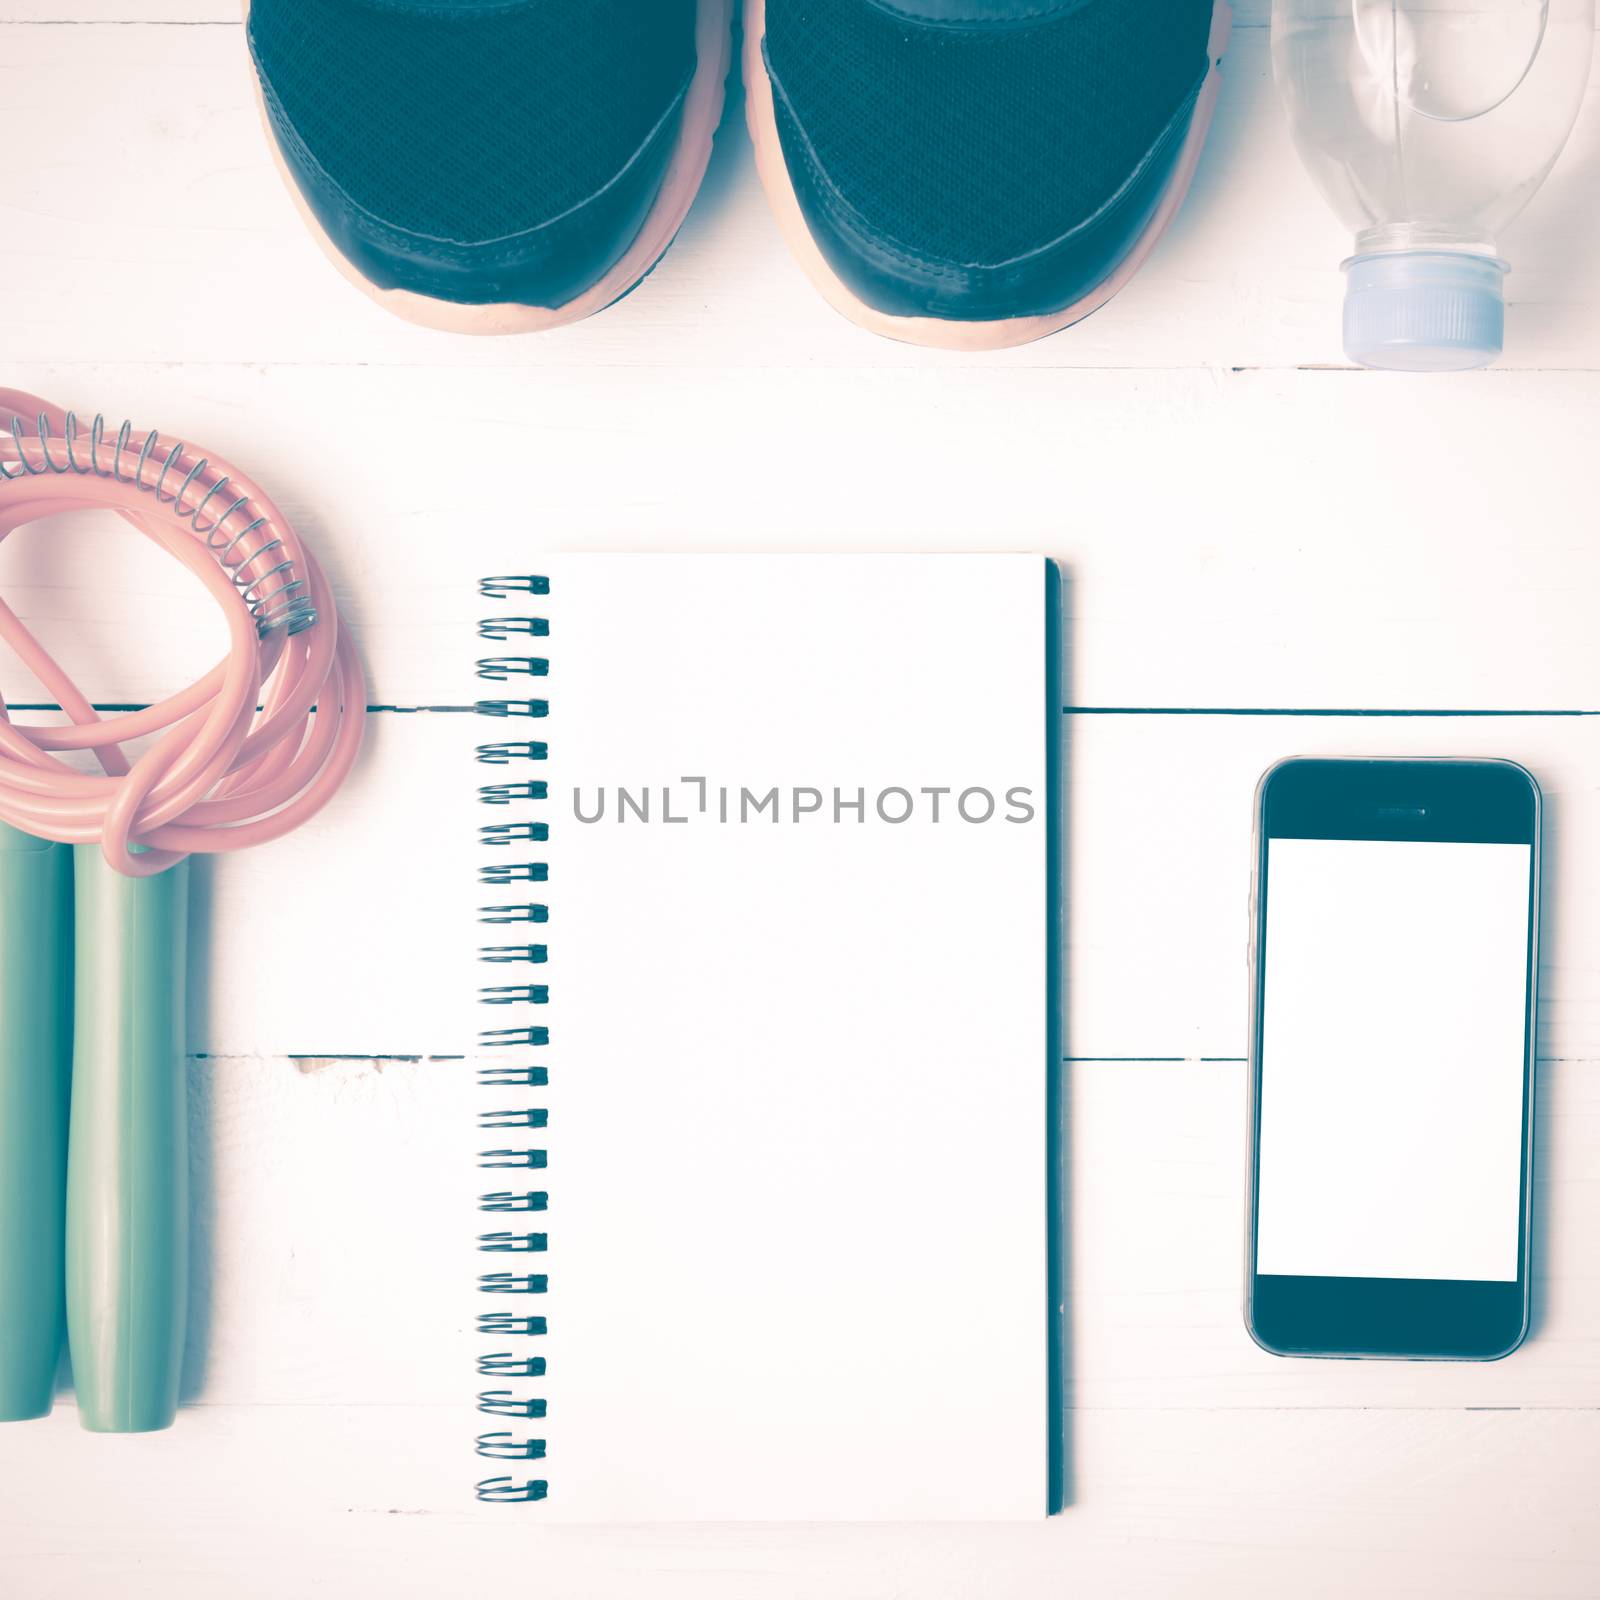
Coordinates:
(1428, 124)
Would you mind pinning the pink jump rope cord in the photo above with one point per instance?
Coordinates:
(238, 758)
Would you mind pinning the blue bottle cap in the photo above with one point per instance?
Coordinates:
(1424, 310)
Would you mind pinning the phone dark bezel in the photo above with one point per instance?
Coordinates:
(1404, 1318)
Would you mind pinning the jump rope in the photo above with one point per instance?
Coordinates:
(93, 1148)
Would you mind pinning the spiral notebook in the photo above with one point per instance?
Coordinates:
(766, 1039)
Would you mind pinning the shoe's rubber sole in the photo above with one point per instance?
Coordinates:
(939, 332)
(702, 111)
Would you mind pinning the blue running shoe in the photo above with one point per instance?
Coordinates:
(977, 173)
(492, 166)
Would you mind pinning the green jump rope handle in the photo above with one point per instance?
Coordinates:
(127, 1164)
(35, 1063)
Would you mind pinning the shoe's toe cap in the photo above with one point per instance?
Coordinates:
(981, 171)
(482, 155)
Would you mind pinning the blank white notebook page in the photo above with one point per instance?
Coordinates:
(798, 1057)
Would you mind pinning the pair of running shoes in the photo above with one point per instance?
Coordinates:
(964, 173)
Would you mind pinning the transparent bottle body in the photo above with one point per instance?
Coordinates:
(1430, 123)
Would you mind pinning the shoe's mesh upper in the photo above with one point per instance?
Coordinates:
(481, 120)
(977, 145)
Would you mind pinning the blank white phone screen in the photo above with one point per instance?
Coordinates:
(1395, 1007)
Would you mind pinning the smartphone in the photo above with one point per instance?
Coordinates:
(1394, 958)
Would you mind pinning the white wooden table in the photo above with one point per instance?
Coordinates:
(1269, 552)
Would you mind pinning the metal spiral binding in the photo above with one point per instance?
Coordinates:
(494, 1160)
(502, 1364)
(502, 794)
(498, 755)
(503, 1491)
(500, 914)
(507, 1447)
(498, 1077)
(506, 1038)
(512, 1243)
(503, 953)
(497, 874)
(512, 832)
(510, 994)
(522, 1117)
(503, 1322)
(502, 1403)
(515, 1120)
(513, 1282)
(513, 708)
(511, 627)
(505, 1200)
(504, 588)
(499, 669)
(286, 605)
